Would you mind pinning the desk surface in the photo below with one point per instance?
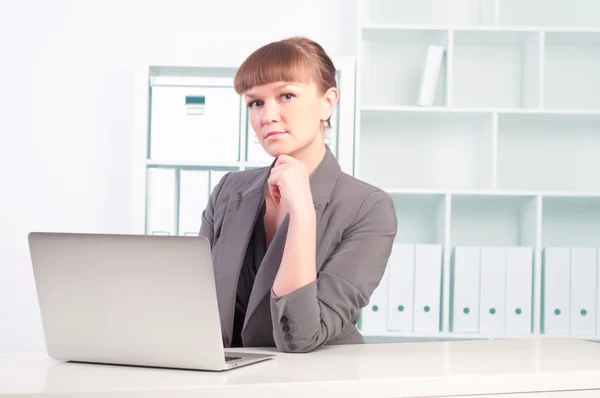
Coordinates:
(452, 368)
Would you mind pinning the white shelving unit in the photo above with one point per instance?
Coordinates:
(507, 155)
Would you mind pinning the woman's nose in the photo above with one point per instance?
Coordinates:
(270, 113)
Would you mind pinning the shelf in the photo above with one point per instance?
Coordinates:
(406, 150)
(571, 77)
(549, 152)
(554, 13)
(570, 222)
(491, 192)
(423, 12)
(482, 28)
(480, 109)
(448, 336)
(496, 69)
(393, 64)
(493, 221)
(421, 218)
(174, 163)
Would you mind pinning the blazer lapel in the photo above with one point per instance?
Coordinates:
(238, 224)
(268, 269)
(322, 182)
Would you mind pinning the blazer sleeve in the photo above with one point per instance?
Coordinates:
(207, 223)
(318, 312)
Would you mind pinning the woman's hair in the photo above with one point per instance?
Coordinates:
(296, 59)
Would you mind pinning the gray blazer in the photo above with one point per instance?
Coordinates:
(356, 227)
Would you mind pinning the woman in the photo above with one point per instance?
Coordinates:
(299, 246)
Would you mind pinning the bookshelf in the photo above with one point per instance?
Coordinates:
(505, 156)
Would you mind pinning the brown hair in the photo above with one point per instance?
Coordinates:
(296, 59)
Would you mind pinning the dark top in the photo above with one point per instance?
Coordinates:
(257, 247)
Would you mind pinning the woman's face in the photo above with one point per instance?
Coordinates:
(287, 116)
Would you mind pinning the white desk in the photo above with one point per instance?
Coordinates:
(434, 369)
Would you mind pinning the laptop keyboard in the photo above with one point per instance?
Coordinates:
(227, 358)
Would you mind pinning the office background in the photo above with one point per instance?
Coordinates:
(459, 166)
(67, 100)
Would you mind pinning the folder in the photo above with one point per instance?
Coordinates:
(374, 315)
(401, 266)
(465, 289)
(519, 290)
(161, 202)
(428, 288)
(557, 291)
(492, 290)
(193, 199)
(583, 291)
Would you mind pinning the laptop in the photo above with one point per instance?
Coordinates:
(141, 300)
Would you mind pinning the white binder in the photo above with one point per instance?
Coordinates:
(374, 315)
(430, 75)
(401, 267)
(492, 290)
(428, 287)
(583, 291)
(557, 294)
(465, 289)
(195, 124)
(193, 198)
(519, 290)
(161, 199)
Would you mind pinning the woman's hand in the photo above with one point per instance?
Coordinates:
(289, 185)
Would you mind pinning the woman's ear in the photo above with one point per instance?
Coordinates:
(330, 102)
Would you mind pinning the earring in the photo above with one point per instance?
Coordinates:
(325, 123)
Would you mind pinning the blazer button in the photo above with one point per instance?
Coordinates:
(292, 346)
(284, 319)
(288, 337)
(286, 328)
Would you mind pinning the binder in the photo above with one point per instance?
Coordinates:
(465, 292)
(492, 290)
(195, 124)
(557, 291)
(428, 288)
(161, 202)
(193, 199)
(519, 290)
(374, 314)
(583, 291)
(430, 76)
(401, 266)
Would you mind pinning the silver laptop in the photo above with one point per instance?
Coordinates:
(131, 300)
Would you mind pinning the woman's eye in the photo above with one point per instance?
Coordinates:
(288, 96)
(253, 104)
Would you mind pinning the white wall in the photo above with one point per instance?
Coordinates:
(66, 101)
